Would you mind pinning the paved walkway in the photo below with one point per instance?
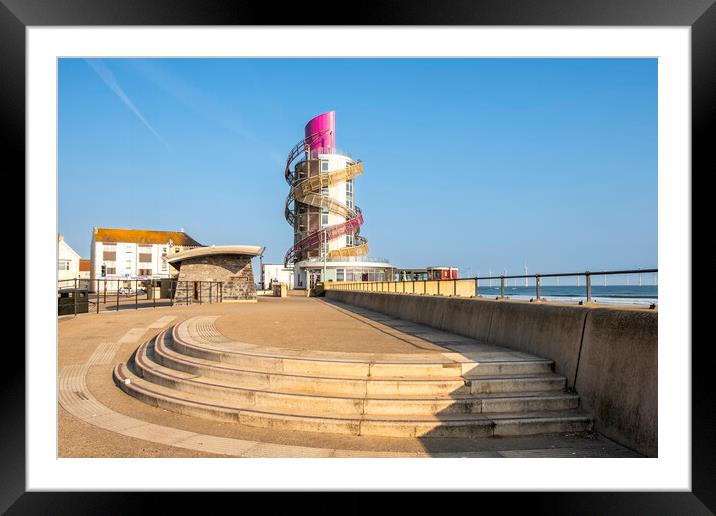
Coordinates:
(96, 419)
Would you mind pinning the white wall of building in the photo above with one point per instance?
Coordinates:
(68, 261)
(276, 272)
(337, 192)
(128, 259)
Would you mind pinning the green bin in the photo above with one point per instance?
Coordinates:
(72, 301)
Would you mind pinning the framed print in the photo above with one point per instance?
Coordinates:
(477, 249)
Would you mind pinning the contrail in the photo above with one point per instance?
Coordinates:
(203, 105)
(108, 77)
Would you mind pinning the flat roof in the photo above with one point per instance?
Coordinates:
(247, 250)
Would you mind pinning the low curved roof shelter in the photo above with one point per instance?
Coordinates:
(214, 250)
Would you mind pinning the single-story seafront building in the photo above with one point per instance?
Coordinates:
(202, 269)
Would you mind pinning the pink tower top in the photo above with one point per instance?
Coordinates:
(326, 142)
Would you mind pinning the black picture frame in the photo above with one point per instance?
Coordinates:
(17, 15)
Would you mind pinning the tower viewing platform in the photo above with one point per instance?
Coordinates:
(321, 208)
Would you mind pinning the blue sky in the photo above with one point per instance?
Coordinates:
(479, 163)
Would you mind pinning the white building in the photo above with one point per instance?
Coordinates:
(135, 253)
(276, 272)
(68, 262)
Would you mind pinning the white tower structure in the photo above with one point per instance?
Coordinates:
(322, 210)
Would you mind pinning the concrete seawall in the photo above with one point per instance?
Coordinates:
(609, 355)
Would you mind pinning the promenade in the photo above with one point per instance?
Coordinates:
(98, 419)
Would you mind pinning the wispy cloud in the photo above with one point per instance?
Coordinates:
(111, 81)
(204, 105)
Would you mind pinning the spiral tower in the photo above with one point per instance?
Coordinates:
(320, 206)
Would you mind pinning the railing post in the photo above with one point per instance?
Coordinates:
(74, 297)
(589, 286)
(438, 287)
(210, 283)
(502, 287)
(118, 295)
(154, 295)
(454, 287)
(425, 286)
(538, 284)
(477, 286)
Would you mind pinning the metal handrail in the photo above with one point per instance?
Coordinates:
(537, 277)
(366, 259)
(565, 274)
(122, 291)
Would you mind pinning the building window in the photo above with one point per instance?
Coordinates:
(324, 211)
(324, 166)
(324, 249)
(109, 252)
(349, 186)
(111, 270)
(145, 272)
(349, 240)
(145, 257)
(63, 265)
(340, 274)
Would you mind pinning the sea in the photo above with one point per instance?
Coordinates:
(643, 295)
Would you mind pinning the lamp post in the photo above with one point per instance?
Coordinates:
(261, 269)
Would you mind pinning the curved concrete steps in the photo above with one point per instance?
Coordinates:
(442, 365)
(448, 425)
(170, 353)
(262, 387)
(357, 403)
